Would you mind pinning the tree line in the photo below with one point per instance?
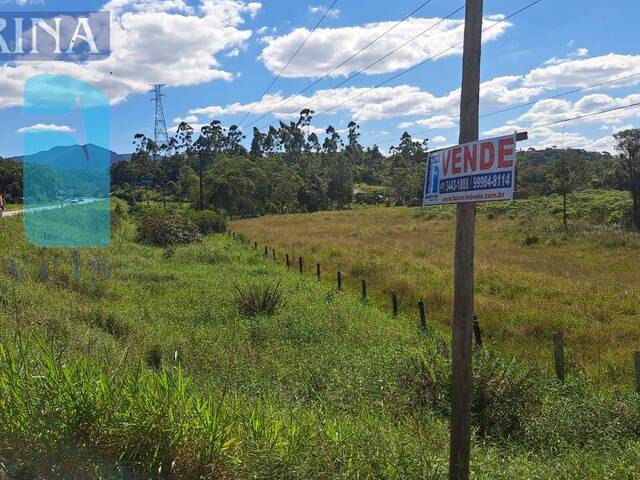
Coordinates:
(289, 169)
(285, 169)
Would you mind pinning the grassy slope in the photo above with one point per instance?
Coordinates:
(589, 289)
(328, 388)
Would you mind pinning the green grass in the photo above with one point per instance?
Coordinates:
(156, 370)
(532, 277)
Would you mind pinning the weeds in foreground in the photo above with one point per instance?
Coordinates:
(259, 299)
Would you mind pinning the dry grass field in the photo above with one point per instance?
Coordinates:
(523, 292)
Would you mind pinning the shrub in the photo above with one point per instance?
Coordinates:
(255, 300)
(153, 357)
(107, 322)
(118, 215)
(161, 228)
(209, 221)
(505, 393)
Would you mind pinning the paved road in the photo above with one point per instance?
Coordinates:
(13, 213)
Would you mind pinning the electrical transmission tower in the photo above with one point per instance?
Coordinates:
(160, 135)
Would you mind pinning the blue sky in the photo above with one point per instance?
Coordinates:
(218, 56)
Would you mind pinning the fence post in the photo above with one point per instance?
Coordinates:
(286, 259)
(339, 280)
(394, 303)
(423, 316)
(318, 271)
(364, 289)
(477, 333)
(301, 264)
(266, 251)
(274, 254)
(637, 359)
(255, 245)
(558, 354)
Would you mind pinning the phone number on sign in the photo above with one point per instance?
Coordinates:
(471, 183)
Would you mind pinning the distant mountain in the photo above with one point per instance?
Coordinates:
(73, 155)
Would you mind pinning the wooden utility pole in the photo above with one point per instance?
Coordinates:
(463, 304)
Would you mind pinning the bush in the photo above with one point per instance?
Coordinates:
(257, 300)
(163, 228)
(118, 215)
(505, 393)
(153, 357)
(107, 322)
(209, 221)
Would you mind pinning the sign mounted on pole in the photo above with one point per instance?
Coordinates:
(482, 171)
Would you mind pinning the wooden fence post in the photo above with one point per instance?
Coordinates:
(273, 250)
(637, 361)
(423, 316)
(364, 289)
(318, 271)
(266, 251)
(477, 333)
(339, 280)
(301, 264)
(394, 303)
(255, 245)
(558, 355)
(286, 259)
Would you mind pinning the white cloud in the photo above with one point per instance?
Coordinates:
(581, 52)
(582, 72)
(319, 9)
(437, 121)
(190, 119)
(233, 53)
(152, 41)
(553, 110)
(439, 140)
(42, 127)
(380, 103)
(319, 56)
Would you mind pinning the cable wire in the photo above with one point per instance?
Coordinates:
(326, 12)
(404, 72)
(315, 82)
(527, 104)
(587, 115)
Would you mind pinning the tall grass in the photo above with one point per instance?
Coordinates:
(532, 278)
(155, 373)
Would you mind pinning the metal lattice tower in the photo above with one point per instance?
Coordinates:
(160, 135)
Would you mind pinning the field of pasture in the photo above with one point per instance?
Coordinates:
(532, 277)
(209, 361)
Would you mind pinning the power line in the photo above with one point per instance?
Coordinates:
(404, 72)
(326, 12)
(344, 62)
(388, 54)
(564, 94)
(527, 104)
(587, 115)
(570, 119)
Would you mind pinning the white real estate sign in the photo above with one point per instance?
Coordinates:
(482, 171)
